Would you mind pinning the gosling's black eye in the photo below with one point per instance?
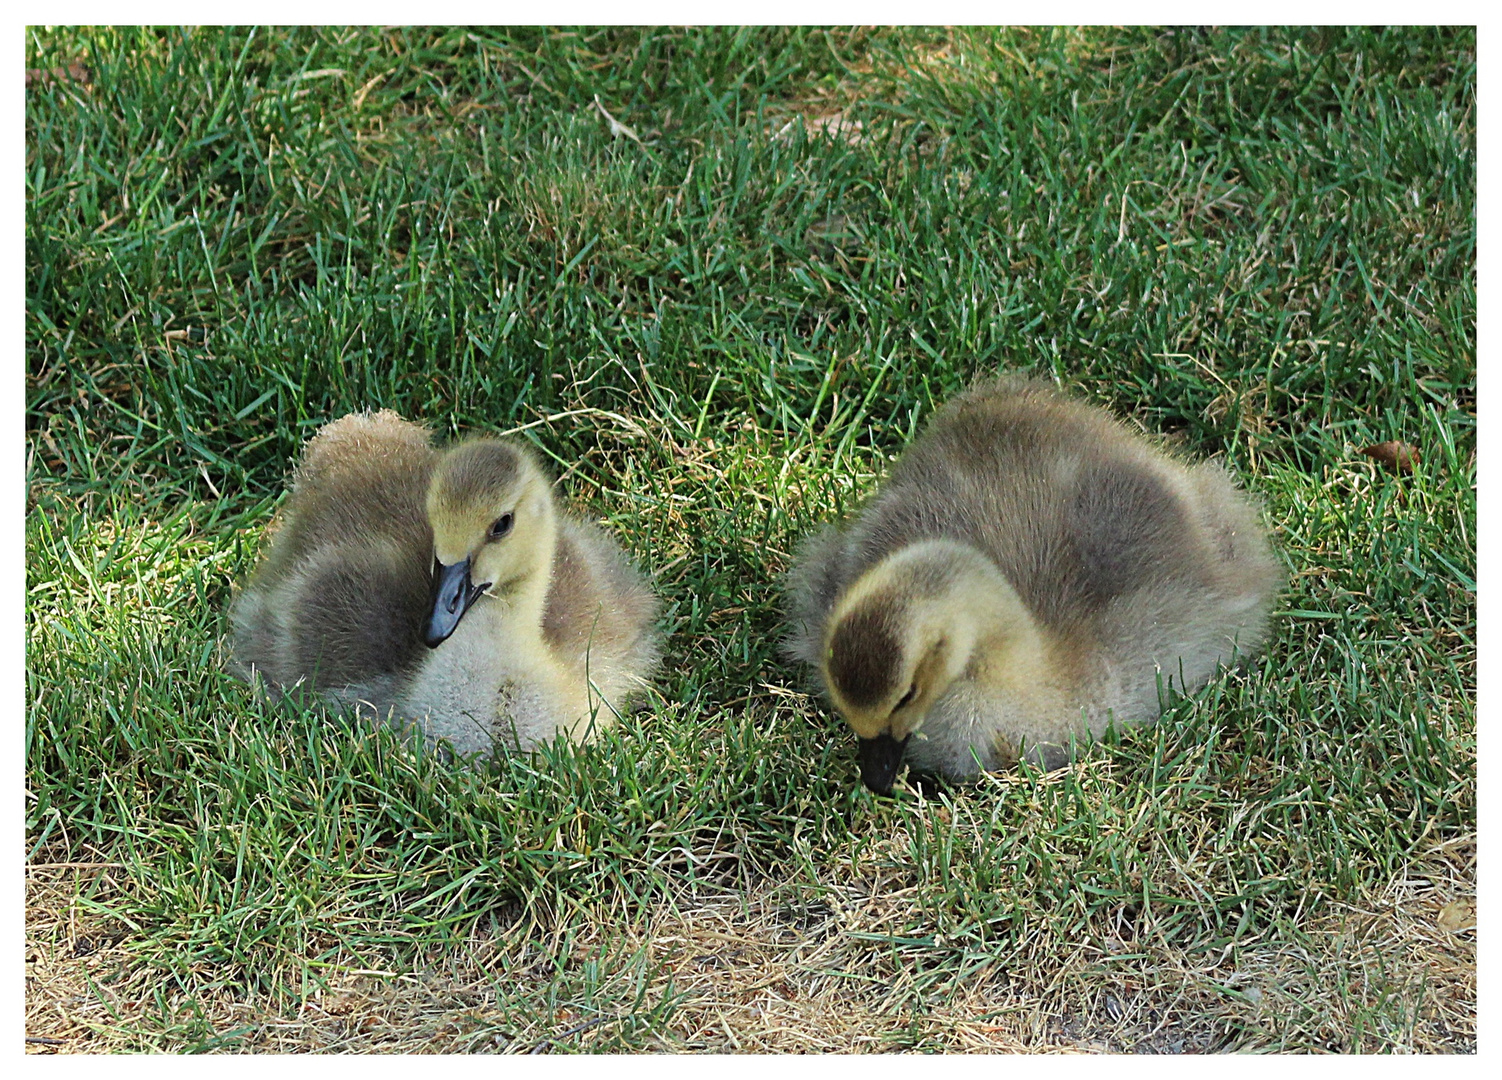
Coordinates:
(501, 526)
(912, 692)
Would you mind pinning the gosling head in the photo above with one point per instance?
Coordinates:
(493, 530)
(899, 639)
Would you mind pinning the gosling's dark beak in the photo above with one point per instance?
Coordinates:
(453, 593)
(881, 757)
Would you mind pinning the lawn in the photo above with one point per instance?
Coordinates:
(719, 278)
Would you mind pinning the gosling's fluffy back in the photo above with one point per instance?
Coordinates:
(1107, 541)
(341, 592)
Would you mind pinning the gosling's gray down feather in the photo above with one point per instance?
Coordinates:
(339, 597)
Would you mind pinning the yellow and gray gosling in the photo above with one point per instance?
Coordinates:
(538, 622)
(1027, 575)
(446, 588)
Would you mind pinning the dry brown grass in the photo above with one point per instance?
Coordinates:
(782, 968)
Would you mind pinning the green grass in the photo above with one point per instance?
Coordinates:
(1258, 243)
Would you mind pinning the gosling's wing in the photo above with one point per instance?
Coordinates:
(1211, 606)
(1073, 509)
(600, 610)
(345, 617)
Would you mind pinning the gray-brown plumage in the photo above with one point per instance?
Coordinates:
(1027, 574)
(447, 589)
(340, 597)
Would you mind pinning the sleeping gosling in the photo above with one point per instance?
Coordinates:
(446, 593)
(1030, 573)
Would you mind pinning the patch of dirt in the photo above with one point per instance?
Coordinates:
(73, 957)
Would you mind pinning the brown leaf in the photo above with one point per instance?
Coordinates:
(1455, 917)
(1393, 455)
(75, 71)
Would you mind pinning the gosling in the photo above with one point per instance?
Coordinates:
(446, 593)
(538, 622)
(1030, 573)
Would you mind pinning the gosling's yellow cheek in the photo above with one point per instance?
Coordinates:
(488, 568)
(908, 724)
(866, 726)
